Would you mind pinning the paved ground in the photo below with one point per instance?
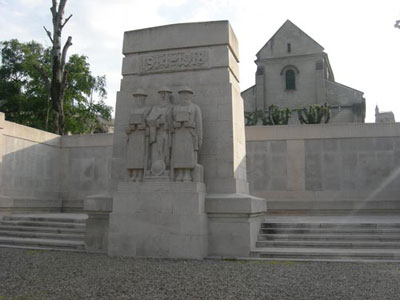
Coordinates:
(42, 275)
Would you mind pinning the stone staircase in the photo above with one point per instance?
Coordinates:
(64, 232)
(358, 239)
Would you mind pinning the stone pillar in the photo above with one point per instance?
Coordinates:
(98, 208)
(295, 162)
(2, 125)
(5, 202)
(204, 57)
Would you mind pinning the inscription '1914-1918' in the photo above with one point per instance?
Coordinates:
(174, 61)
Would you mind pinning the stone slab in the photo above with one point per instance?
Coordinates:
(190, 35)
(234, 204)
(159, 219)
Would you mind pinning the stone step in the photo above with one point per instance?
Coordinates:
(40, 248)
(329, 244)
(330, 225)
(345, 230)
(318, 237)
(33, 234)
(43, 219)
(47, 243)
(328, 254)
(52, 224)
(14, 227)
(333, 206)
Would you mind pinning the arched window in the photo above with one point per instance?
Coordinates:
(290, 80)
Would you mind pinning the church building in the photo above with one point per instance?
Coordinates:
(293, 71)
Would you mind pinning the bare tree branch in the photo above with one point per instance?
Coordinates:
(65, 22)
(68, 43)
(61, 6)
(53, 9)
(64, 80)
(48, 34)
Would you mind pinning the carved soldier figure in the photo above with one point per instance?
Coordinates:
(137, 137)
(159, 121)
(187, 137)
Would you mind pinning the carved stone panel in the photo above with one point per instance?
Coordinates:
(174, 61)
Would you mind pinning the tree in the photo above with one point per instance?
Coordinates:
(56, 83)
(24, 94)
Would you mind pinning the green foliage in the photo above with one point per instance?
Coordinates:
(314, 114)
(251, 118)
(24, 96)
(274, 116)
(277, 116)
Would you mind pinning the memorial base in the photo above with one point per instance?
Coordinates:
(233, 223)
(159, 219)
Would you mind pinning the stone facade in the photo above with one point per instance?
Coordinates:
(293, 71)
(384, 116)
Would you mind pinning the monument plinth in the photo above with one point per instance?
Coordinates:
(194, 131)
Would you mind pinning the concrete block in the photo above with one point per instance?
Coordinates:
(98, 203)
(156, 245)
(121, 245)
(330, 145)
(396, 142)
(384, 143)
(278, 147)
(278, 165)
(157, 216)
(192, 225)
(96, 237)
(312, 146)
(232, 236)
(295, 165)
(278, 184)
(234, 204)
(357, 144)
(189, 247)
(313, 172)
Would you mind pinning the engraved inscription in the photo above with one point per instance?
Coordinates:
(174, 61)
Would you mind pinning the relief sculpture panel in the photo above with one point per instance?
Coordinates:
(163, 140)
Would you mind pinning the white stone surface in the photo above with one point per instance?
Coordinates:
(159, 219)
(332, 168)
(208, 54)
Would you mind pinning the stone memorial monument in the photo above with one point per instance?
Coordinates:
(166, 205)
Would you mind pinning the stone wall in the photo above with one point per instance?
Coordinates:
(86, 168)
(29, 169)
(337, 167)
(41, 171)
(342, 98)
(311, 167)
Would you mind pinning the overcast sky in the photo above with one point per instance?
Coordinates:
(359, 36)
